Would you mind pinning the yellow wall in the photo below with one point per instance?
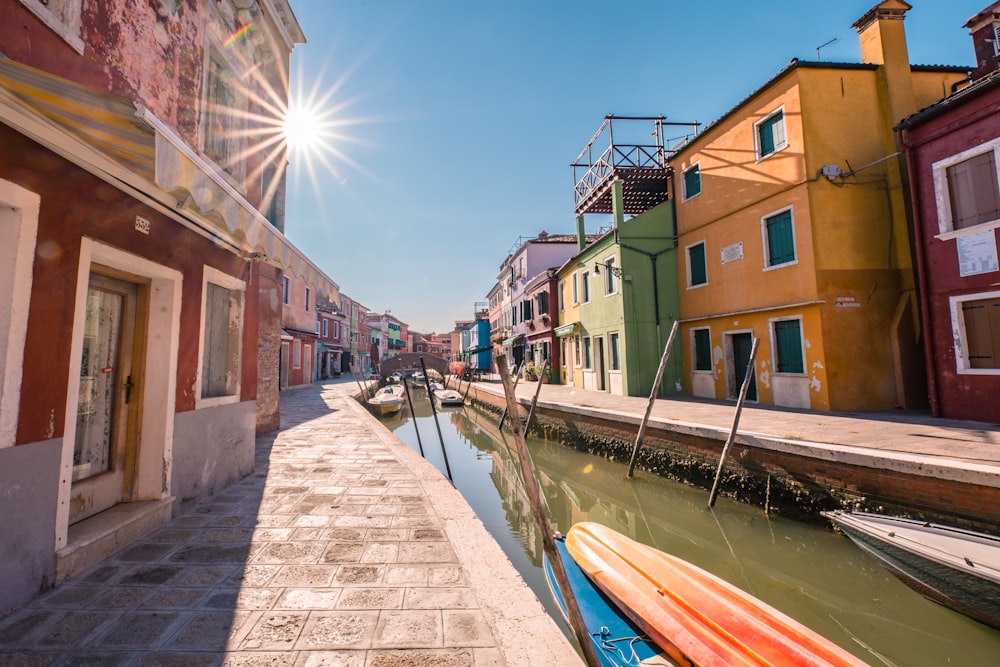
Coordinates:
(569, 314)
(853, 274)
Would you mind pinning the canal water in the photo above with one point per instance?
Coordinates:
(811, 573)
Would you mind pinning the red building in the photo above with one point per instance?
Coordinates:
(953, 152)
(142, 260)
(538, 311)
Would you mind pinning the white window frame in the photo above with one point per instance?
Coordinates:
(576, 289)
(68, 23)
(610, 284)
(562, 296)
(687, 263)
(234, 284)
(286, 289)
(701, 186)
(694, 351)
(19, 209)
(773, 342)
(765, 248)
(960, 337)
(612, 366)
(756, 133)
(585, 281)
(297, 353)
(939, 169)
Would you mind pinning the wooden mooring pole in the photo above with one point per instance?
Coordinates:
(430, 397)
(538, 509)
(534, 401)
(736, 420)
(364, 393)
(517, 377)
(413, 415)
(652, 397)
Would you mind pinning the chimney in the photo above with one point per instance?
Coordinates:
(883, 42)
(581, 233)
(984, 28)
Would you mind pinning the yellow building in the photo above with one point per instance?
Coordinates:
(568, 323)
(793, 228)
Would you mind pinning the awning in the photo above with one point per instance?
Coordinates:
(128, 147)
(567, 329)
(513, 339)
(477, 350)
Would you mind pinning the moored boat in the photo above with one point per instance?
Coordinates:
(617, 641)
(696, 617)
(446, 397)
(388, 400)
(955, 567)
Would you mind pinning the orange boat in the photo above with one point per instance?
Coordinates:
(695, 616)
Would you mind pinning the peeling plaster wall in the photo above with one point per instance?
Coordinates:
(268, 348)
(213, 448)
(29, 478)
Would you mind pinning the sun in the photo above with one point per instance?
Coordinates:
(303, 128)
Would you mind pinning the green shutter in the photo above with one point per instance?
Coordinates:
(702, 350)
(692, 182)
(788, 340)
(771, 133)
(696, 264)
(780, 242)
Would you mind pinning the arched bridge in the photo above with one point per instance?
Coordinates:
(410, 361)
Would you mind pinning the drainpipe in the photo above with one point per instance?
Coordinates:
(925, 318)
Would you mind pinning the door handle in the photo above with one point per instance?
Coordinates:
(128, 389)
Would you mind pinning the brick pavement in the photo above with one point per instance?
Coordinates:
(344, 548)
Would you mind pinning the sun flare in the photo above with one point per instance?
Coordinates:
(304, 129)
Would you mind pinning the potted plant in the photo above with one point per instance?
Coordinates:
(530, 372)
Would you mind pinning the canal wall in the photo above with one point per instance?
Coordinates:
(790, 476)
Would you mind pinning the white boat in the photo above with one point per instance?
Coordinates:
(388, 400)
(955, 567)
(446, 397)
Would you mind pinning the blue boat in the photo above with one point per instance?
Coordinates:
(617, 642)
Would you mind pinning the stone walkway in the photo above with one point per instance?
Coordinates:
(344, 549)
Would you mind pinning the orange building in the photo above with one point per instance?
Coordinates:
(793, 228)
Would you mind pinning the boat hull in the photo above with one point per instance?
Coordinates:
(957, 568)
(448, 397)
(691, 613)
(615, 637)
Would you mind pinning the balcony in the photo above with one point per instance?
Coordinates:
(638, 162)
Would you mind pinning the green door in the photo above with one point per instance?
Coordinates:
(742, 344)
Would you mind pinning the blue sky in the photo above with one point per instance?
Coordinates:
(457, 120)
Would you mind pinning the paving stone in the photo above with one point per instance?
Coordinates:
(95, 659)
(227, 535)
(174, 598)
(151, 574)
(203, 575)
(308, 598)
(171, 659)
(439, 598)
(338, 629)
(23, 659)
(100, 574)
(275, 631)
(121, 598)
(370, 598)
(408, 629)
(426, 552)
(380, 552)
(289, 552)
(359, 574)
(19, 627)
(254, 575)
(304, 575)
(71, 596)
(75, 628)
(211, 555)
(258, 660)
(446, 576)
(422, 658)
(150, 551)
(137, 629)
(466, 628)
(331, 659)
(209, 631)
(398, 575)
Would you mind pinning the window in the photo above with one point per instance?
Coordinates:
(972, 191)
(697, 272)
(526, 310)
(326, 328)
(296, 353)
(336, 330)
(613, 351)
(308, 293)
(702, 349)
(286, 289)
(62, 16)
(779, 238)
(788, 346)
(691, 182)
(585, 280)
(562, 295)
(543, 303)
(609, 277)
(770, 134)
(576, 349)
(576, 296)
(981, 318)
(586, 352)
(222, 335)
(224, 122)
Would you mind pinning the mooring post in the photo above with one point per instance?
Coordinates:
(364, 393)
(652, 397)
(534, 401)
(517, 377)
(438, 425)
(538, 509)
(736, 420)
(413, 415)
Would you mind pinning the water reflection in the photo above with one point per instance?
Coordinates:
(810, 573)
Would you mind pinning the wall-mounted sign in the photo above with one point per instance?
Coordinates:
(733, 252)
(141, 225)
(977, 253)
(846, 302)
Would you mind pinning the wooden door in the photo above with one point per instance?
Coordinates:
(742, 345)
(104, 450)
